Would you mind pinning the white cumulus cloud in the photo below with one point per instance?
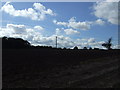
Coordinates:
(58, 31)
(107, 10)
(91, 40)
(38, 28)
(80, 25)
(71, 31)
(38, 12)
(18, 29)
(37, 38)
(60, 23)
(21, 31)
(100, 22)
(112, 0)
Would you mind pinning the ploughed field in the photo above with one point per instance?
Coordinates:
(47, 68)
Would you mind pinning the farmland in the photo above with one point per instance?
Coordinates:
(53, 68)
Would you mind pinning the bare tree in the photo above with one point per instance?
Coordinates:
(108, 44)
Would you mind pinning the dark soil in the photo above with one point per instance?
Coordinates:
(47, 68)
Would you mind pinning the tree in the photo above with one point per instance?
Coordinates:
(108, 44)
(64, 48)
(85, 48)
(14, 43)
(90, 48)
(76, 48)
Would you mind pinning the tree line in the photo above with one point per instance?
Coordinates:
(20, 43)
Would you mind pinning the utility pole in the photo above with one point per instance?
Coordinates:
(56, 41)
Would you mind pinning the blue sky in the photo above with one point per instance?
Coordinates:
(76, 24)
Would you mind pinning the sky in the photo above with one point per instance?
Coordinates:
(82, 24)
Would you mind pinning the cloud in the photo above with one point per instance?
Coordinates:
(38, 12)
(18, 29)
(21, 31)
(60, 23)
(73, 24)
(35, 37)
(78, 25)
(39, 28)
(42, 9)
(91, 40)
(112, 0)
(99, 22)
(71, 31)
(107, 10)
(57, 31)
(116, 46)
(68, 31)
(85, 25)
